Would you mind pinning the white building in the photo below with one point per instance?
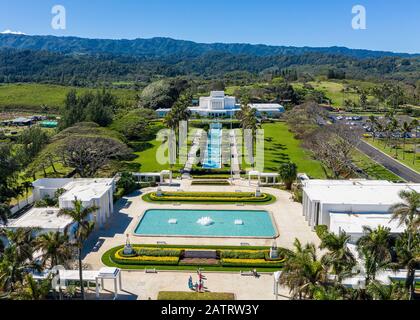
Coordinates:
(46, 219)
(219, 105)
(349, 205)
(92, 192)
(268, 109)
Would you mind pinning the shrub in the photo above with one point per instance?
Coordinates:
(262, 263)
(321, 231)
(159, 252)
(243, 254)
(118, 194)
(127, 182)
(119, 258)
(212, 177)
(210, 183)
(143, 185)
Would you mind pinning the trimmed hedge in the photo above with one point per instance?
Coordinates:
(243, 254)
(212, 177)
(159, 252)
(118, 257)
(210, 183)
(262, 263)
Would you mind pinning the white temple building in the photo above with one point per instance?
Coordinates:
(92, 192)
(219, 105)
(349, 205)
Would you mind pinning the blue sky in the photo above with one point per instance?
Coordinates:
(391, 25)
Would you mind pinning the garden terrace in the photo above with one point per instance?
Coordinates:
(210, 197)
(174, 258)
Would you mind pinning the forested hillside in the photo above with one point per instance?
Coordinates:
(162, 47)
(86, 70)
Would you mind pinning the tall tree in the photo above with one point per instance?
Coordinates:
(374, 249)
(303, 273)
(406, 129)
(407, 213)
(55, 249)
(88, 154)
(288, 174)
(338, 258)
(81, 216)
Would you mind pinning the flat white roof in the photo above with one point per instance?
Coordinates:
(86, 190)
(354, 223)
(268, 106)
(45, 218)
(356, 192)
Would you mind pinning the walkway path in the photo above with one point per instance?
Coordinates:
(388, 162)
(193, 151)
(235, 158)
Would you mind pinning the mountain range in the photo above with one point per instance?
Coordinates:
(163, 47)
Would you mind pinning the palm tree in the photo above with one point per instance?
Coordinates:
(247, 117)
(288, 174)
(393, 291)
(338, 258)
(27, 185)
(405, 129)
(13, 268)
(374, 122)
(329, 293)
(407, 213)
(80, 216)
(415, 125)
(55, 248)
(29, 289)
(374, 248)
(302, 272)
(23, 242)
(4, 213)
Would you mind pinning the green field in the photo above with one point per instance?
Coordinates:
(281, 146)
(409, 153)
(31, 96)
(334, 90)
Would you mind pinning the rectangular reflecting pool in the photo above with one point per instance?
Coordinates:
(207, 223)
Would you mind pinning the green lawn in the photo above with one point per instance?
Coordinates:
(409, 153)
(147, 158)
(31, 96)
(374, 169)
(180, 296)
(281, 146)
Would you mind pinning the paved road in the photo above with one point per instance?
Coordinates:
(389, 163)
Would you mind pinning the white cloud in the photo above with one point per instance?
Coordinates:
(8, 31)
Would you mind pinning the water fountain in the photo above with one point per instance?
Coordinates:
(205, 221)
(172, 221)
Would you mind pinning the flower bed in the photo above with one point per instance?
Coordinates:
(144, 260)
(251, 263)
(228, 197)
